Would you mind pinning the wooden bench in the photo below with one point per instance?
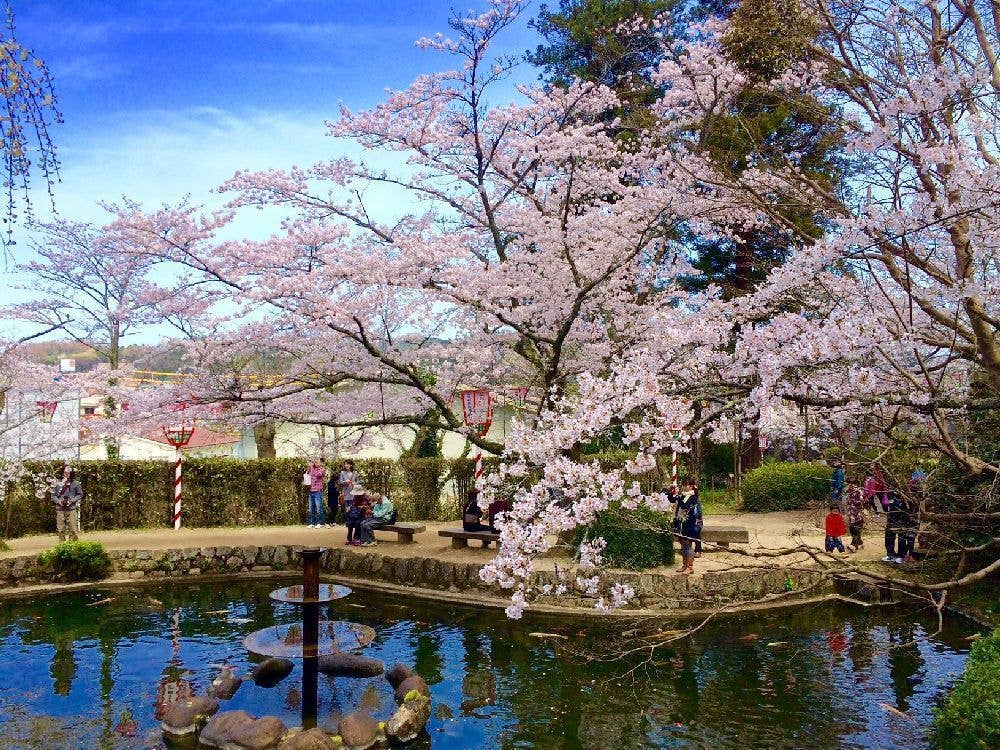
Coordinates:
(404, 531)
(460, 538)
(725, 535)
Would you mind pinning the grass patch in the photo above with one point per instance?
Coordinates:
(718, 502)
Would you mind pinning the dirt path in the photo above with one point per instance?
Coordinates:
(767, 531)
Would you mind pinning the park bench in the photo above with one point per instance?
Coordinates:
(460, 538)
(725, 535)
(404, 531)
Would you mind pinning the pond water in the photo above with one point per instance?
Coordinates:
(76, 675)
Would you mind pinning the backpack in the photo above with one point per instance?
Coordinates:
(392, 517)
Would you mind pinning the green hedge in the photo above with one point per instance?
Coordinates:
(970, 717)
(226, 492)
(635, 539)
(238, 492)
(786, 486)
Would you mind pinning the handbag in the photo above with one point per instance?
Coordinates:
(306, 480)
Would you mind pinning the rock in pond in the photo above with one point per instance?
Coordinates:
(346, 664)
(225, 685)
(397, 674)
(238, 730)
(271, 671)
(312, 739)
(409, 719)
(411, 683)
(185, 717)
(358, 730)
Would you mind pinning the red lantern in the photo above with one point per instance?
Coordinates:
(477, 409)
(46, 410)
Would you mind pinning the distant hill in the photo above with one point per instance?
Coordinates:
(144, 357)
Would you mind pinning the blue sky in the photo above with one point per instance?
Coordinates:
(164, 99)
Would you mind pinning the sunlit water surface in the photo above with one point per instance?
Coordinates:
(79, 676)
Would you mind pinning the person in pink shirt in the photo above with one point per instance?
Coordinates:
(317, 481)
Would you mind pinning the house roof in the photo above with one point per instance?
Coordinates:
(202, 438)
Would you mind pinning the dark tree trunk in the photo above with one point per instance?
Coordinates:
(263, 435)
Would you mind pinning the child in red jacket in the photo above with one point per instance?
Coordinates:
(836, 527)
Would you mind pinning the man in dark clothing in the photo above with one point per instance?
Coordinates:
(894, 527)
(333, 498)
(909, 525)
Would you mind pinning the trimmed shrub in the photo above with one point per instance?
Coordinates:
(77, 561)
(424, 478)
(635, 539)
(970, 717)
(786, 486)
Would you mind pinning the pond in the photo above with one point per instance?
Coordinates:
(78, 673)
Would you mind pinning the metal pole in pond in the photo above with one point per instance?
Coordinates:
(310, 635)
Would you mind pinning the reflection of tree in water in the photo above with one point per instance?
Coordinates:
(905, 662)
(427, 658)
(63, 666)
(860, 650)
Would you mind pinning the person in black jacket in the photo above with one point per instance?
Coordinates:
(909, 526)
(894, 528)
(332, 498)
(472, 514)
(688, 520)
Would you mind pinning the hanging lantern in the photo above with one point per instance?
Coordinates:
(46, 410)
(477, 409)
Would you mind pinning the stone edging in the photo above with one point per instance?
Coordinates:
(665, 595)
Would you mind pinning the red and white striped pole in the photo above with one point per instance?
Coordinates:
(479, 470)
(177, 489)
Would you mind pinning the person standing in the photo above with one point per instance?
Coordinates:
(66, 496)
(909, 527)
(895, 517)
(347, 480)
(837, 483)
(855, 516)
(688, 519)
(835, 529)
(317, 482)
(332, 498)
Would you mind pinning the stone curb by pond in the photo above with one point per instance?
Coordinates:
(666, 595)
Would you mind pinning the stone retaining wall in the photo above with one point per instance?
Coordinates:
(653, 590)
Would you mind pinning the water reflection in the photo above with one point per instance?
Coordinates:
(101, 676)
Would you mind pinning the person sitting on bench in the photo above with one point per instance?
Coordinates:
(383, 514)
(472, 513)
(496, 507)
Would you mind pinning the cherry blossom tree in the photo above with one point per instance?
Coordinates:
(539, 253)
(87, 287)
